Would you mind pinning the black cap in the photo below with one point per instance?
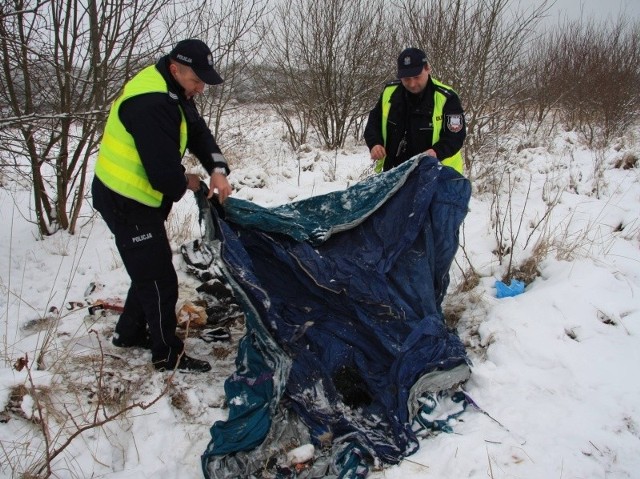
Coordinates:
(411, 62)
(196, 54)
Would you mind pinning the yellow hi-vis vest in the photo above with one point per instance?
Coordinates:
(439, 99)
(119, 166)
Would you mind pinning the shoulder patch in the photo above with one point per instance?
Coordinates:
(172, 97)
(455, 123)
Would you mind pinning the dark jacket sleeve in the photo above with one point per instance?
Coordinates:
(201, 141)
(154, 120)
(373, 129)
(451, 141)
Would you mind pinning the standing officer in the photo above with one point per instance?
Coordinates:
(139, 175)
(416, 114)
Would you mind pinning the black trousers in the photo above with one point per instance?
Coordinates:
(141, 238)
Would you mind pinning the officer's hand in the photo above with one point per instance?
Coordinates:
(220, 184)
(378, 152)
(431, 152)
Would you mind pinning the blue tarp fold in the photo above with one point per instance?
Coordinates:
(342, 297)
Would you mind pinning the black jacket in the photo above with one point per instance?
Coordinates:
(153, 120)
(411, 117)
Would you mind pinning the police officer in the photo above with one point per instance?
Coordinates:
(415, 114)
(139, 175)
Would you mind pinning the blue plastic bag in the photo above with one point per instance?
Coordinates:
(514, 289)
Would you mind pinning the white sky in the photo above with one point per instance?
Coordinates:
(596, 8)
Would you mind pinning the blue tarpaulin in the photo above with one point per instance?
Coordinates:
(342, 299)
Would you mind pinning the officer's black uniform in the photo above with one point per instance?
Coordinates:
(153, 119)
(411, 118)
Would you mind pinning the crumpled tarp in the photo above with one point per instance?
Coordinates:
(342, 298)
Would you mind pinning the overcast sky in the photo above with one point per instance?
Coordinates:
(596, 8)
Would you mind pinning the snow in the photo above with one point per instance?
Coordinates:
(301, 454)
(552, 367)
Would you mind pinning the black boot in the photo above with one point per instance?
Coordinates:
(142, 342)
(185, 363)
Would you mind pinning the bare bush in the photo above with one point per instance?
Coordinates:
(521, 241)
(477, 47)
(596, 74)
(538, 97)
(62, 412)
(233, 31)
(62, 65)
(326, 64)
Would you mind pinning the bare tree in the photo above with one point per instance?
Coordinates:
(231, 28)
(476, 46)
(326, 64)
(597, 69)
(539, 94)
(63, 63)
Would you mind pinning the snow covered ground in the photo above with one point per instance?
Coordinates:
(552, 367)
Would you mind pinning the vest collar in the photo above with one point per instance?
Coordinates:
(172, 84)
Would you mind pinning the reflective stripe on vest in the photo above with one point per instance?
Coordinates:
(439, 99)
(119, 166)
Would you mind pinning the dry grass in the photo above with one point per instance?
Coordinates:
(529, 269)
(220, 352)
(179, 400)
(453, 314)
(628, 161)
(470, 280)
(181, 226)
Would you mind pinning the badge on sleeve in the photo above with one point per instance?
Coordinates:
(454, 123)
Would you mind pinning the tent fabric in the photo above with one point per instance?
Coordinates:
(342, 297)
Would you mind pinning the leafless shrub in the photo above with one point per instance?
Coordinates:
(63, 63)
(64, 411)
(233, 29)
(595, 75)
(325, 65)
(477, 47)
(503, 219)
(296, 121)
(537, 108)
(509, 225)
